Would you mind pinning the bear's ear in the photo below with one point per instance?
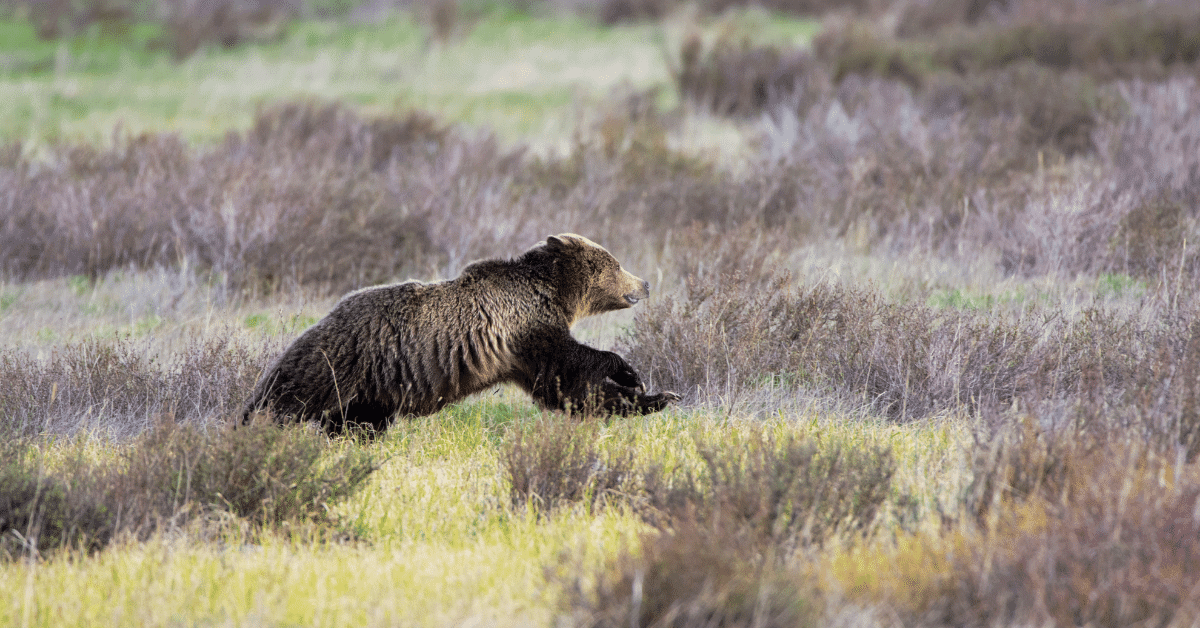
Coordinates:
(554, 242)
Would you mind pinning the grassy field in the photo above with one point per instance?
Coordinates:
(932, 316)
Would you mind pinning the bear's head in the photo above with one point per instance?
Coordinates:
(597, 279)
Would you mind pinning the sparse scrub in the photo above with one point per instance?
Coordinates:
(186, 25)
(119, 387)
(557, 461)
(617, 11)
(1125, 40)
(773, 494)
(727, 534)
(300, 199)
(167, 478)
(909, 361)
(189, 25)
(689, 577)
(1081, 529)
(735, 78)
(968, 252)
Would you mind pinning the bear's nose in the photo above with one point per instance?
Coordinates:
(646, 286)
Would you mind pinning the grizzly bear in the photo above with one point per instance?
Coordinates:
(409, 349)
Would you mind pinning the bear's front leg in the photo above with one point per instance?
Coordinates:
(613, 398)
(578, 378)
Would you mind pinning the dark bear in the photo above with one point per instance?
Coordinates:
(410, 349)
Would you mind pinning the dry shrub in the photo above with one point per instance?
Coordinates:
(618, 11)
(555, 461)
(1056, 113)
(856, 48)
(924, 17)
(725, 535)
(773, 494)
(41, 510)
(189, 25)
(686, 578)
(905, 361)
(1020, 461)
(118, 387)
(1129, 39)
(1048, 172)
(1085, 526)
(624, 181)
(168, 478)
(311, 195)
(259, 472)
(725, 335)
(59, 18)
(735, 78)
(910, 168)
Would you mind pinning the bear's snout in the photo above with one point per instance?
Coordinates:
(638, 295)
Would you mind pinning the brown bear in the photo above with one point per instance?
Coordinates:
(409, 349)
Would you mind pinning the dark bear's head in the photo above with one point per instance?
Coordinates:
(597, 279)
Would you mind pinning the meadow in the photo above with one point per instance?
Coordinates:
(924, 274)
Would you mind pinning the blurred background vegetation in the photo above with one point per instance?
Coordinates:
(924, 272)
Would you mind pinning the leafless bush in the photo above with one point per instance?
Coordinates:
(259, 472)
(903, 360)
(58, 18)
(301, 198)
(557, 461)
(736, 78)
(41, 510)
(616, 11)
(1126, 40)
(190, 24)
(171, 476)
(187, 25)
(118, 387)
(922, 17)
(1112, 545)
(774, 493)
(725, 534)
(688, 577)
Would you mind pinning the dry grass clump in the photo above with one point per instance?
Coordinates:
(169, 477)
(555, 461)
(118, 388)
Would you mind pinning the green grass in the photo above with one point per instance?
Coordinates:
(438, 541)
(511, 73)
(517, 75)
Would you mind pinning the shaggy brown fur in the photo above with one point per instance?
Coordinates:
(410, 349)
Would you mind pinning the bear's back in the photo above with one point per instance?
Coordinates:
(444, 339)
